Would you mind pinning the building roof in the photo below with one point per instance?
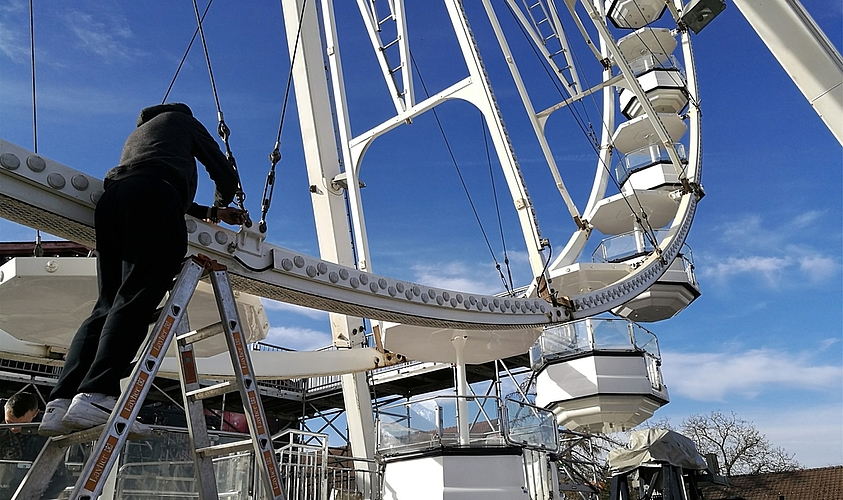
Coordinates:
(808, 484)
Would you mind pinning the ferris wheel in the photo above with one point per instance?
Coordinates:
(628, 68)
(647, 178)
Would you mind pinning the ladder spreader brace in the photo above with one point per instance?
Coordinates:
(171, 323)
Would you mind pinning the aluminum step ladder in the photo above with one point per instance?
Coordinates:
(113, 434)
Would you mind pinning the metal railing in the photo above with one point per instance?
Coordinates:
(592, 334)
(433, 423)
(161, 467)
(647, 156)
(310, 472)
(657, 60)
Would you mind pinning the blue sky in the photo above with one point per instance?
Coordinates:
(763, 340)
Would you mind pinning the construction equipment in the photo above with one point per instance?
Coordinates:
(172, 323)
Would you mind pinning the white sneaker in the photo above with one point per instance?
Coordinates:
(92, 409)
(51, 423)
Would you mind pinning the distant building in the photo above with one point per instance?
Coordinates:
(809, 484)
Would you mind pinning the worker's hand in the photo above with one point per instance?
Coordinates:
(231, 215)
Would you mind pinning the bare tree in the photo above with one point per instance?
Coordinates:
(739, 446)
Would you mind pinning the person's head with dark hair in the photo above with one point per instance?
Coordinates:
(21, 408)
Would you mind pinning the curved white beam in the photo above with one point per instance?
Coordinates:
(59, 200)
(286, 365)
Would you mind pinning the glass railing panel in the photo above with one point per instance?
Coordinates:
(602, 334)
(656, 60)
(233, 472)
(531, 426)
(410, 425)
(642, 158)
(161, 466)
(18, 449)
(347, 479)
(646, 340)
(432, 423)
(620, 248)
(136, 481)
(558, 341)
(612, 334)
(566, 338)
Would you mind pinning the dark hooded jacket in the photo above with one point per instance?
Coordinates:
(164, 145)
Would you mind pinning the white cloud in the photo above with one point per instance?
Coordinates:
(13, 44)
(299, 339)
(806, 219)
(13, 6)
(714, 376)
(457, 276)
(814, 434)
(274, 305)
(102, 34)
(767, 267)
(818, 267)
(826, 343)
(772, 255)
(799, 266)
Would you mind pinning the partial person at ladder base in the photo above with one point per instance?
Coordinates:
(141, 242)
(17, 448)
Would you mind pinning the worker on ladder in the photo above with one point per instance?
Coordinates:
(141, 241)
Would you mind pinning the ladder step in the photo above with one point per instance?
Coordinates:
(390, 44)
(84, 436)
(77, 437)
(200, 334)
(211, 391)
(225, 449)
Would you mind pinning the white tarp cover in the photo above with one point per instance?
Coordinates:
(660, 446)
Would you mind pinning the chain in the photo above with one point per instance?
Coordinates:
(269, 186)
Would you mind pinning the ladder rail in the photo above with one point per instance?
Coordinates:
(249, 394)
(197, 430)
(171, 323)
(114, 435)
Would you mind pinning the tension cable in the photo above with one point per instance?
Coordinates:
(222, 129)
(462, 180)
(509, 287)
(275, 155)
(184, 57)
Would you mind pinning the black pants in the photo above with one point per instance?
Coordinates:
(141, 242)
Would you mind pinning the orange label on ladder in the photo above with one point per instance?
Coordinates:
(102, 460)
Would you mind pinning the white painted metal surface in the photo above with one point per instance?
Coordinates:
(278, 365)
(805, 53)
(270, 271)
(455, 477)
(599, 393)
(43, 300)
(434, 344)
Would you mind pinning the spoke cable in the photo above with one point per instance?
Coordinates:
(32, 69)
(223, 130)
(39, 250)
(459, 172)
(275, 155)
(508, 286)
(186, 52)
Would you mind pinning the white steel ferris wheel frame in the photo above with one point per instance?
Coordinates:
(33, 192)
(330, 106)
(321, 98)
